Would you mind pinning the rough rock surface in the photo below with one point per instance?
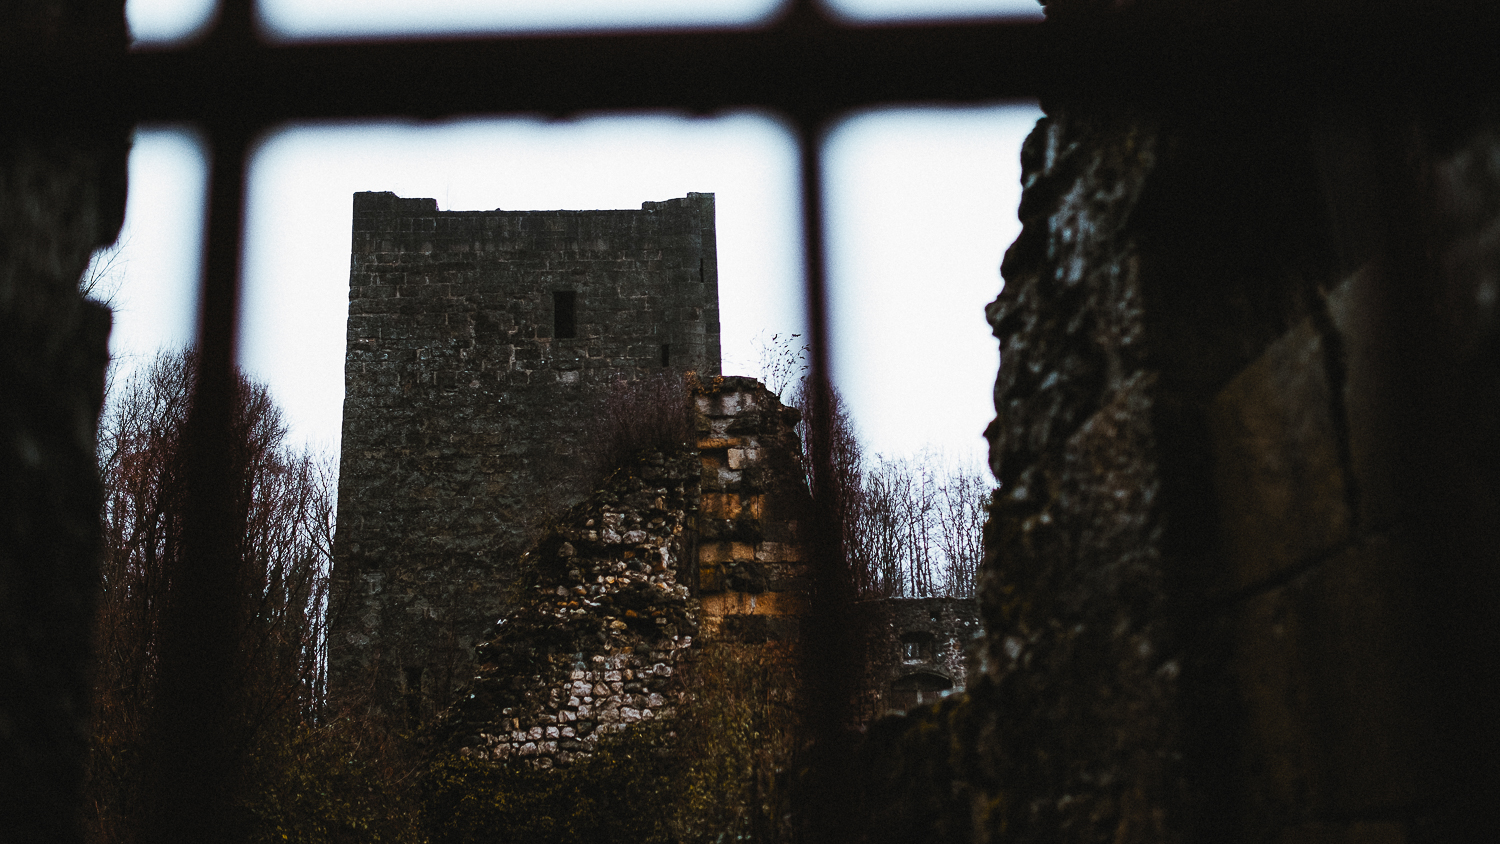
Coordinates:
(599, 628)
(62, 195)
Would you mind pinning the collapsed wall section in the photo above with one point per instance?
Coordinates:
(479, 347)
(600, 624)
(752, 569)
(620, 598)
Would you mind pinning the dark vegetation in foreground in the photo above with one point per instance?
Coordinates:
(305, 771)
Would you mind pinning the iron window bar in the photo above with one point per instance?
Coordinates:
(802, 66)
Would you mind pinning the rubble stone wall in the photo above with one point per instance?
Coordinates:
(915, 651)
(597, 634)
(695, 546)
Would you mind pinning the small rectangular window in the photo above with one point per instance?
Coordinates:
(413, 695)
(666, 354)
(564, 316)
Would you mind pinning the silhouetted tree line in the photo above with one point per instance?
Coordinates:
(290, 752)
(911, 527)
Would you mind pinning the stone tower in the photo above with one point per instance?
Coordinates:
(478, 344)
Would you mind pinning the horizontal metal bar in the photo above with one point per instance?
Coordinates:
(794, 71)
(806, 67)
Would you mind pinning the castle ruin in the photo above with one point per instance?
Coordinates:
(477, 342)
(481, 347)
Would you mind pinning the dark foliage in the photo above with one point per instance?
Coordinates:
(714, 771)
(641, 416)
(286, 502)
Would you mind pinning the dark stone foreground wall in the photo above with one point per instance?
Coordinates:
(467, 421)
(60, 198)
(1240, 582)
(62, 195)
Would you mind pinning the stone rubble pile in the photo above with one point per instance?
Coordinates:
(600, 628)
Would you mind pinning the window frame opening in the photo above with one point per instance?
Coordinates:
(564, 314)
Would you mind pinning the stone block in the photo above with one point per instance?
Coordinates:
(710, 578)
(1326, 666)
(766, 603)
(740, 458)
(720, 505)
(754, 506)
(1279, 471)
(778, 552)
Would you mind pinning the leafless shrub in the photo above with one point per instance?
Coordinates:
(736, 736)
(640, 416)
(783, 362)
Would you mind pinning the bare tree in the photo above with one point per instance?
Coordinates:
(288, 502)
(847, 480)
(964, 508)
(105, 273)
(910, 527)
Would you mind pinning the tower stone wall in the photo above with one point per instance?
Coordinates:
(480, 347)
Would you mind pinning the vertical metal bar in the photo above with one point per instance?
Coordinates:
(194, 746)
(809, 146)
(829, 656)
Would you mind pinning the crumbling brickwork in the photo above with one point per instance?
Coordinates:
(479, 345)
(697, 545)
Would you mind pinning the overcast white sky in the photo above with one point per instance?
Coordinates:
(163, 21)
(922, 204)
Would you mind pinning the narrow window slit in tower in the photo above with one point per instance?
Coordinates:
(666, 354)
(564, 317)
(413, 694)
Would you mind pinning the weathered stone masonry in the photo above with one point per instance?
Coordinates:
(699, 544)
(598, 629)
(1239, 581)
(62, 195)
(916, 650)
(478, 343)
